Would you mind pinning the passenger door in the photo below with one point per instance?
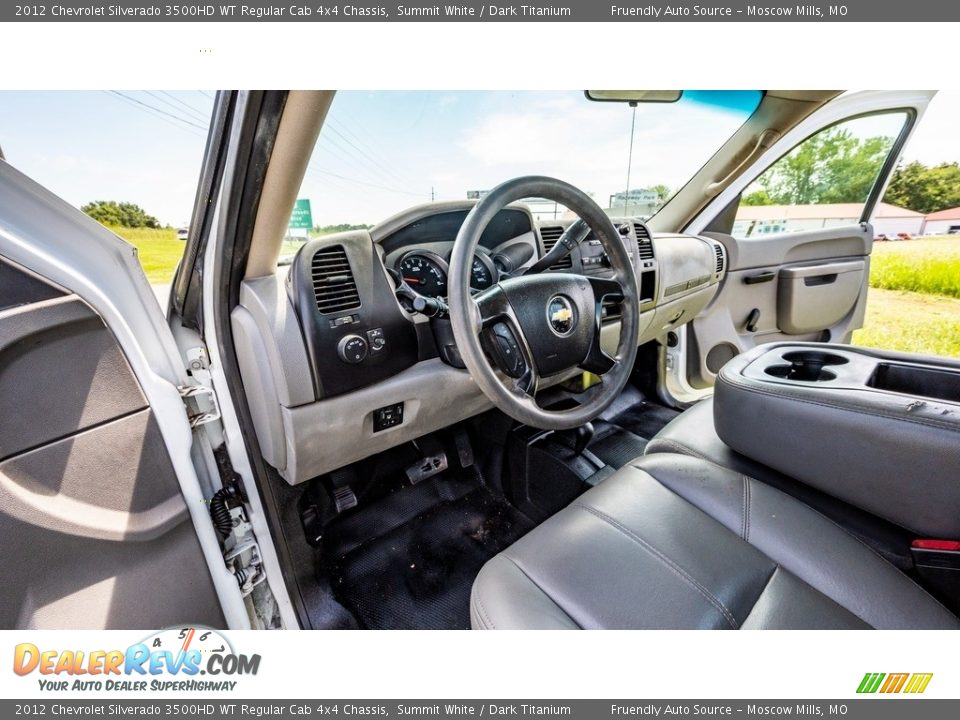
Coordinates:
(796, 226)
(103, 520)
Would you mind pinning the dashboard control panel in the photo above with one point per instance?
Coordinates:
(356, 332)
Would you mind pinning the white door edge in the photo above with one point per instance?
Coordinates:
(233, 434)
(48, 236)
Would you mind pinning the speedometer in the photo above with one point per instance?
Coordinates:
(425, 272)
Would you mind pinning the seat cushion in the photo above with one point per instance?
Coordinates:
(673, 541)
(693, 433)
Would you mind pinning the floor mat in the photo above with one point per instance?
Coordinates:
(431, 541)
(623, 433)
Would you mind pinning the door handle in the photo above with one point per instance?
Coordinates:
(760, 278)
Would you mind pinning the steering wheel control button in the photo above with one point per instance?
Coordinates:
(377, 340)
(505, 349)
(387, 417)
(561, 315)
(352, 349)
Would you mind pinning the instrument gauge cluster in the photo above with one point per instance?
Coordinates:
(426, 272)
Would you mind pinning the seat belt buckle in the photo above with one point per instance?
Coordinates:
(937, 563)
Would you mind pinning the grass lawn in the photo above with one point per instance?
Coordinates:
(928, 265)
(914, 300)
(911, 322)
(159, 250)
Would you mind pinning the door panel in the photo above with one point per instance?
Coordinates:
(95, 529)
(799, 268)
(810, 287)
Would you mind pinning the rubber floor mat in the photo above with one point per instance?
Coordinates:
(625, 435)
(417, 574)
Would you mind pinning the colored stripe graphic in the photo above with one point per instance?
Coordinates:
(870, 682)
(894, 683)
(918, 682)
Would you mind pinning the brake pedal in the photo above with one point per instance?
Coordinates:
(427, 467)
(344, 498)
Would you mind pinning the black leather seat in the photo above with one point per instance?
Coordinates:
(675, 541)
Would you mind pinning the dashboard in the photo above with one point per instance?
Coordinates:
(336, 368)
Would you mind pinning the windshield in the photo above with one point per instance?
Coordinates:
(381, 152)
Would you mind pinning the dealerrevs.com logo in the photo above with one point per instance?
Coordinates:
(890, 683)
(172, 659)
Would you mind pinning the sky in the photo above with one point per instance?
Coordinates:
(381, 152)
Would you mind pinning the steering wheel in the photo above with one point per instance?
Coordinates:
(538, 325)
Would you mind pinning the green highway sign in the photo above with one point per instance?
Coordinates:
(301, 218)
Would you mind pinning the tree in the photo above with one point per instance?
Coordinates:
(757, 197)
(320, 230)
(124, 214)
(662, 191)
(832, 167)
(925, 189)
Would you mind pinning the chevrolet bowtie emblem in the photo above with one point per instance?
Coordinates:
(562, 315)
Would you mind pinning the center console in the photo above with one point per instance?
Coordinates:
(880, 430)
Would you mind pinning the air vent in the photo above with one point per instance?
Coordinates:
(333, 282)
(718, 250)
(550, 236)
(644, 244)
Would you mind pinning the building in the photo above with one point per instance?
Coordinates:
(944, 222)
(757, 220)
(543, 209)
(635, 203)
(540, 208)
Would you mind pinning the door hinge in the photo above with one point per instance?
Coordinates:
(201, 404)
(199, 398)
(242, 553)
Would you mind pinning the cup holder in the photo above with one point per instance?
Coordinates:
(814, 357)
(807, 366)
(806, 374)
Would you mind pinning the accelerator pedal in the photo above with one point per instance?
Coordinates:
(464, 449)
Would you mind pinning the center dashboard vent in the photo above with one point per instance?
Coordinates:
(644, 242)
(333, 282)
(550, 236)
(718, 251)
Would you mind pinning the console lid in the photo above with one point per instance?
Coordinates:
(880, 430)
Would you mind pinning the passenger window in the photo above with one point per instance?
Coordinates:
(823, 182)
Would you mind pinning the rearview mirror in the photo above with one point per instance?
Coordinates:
(634, 96)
